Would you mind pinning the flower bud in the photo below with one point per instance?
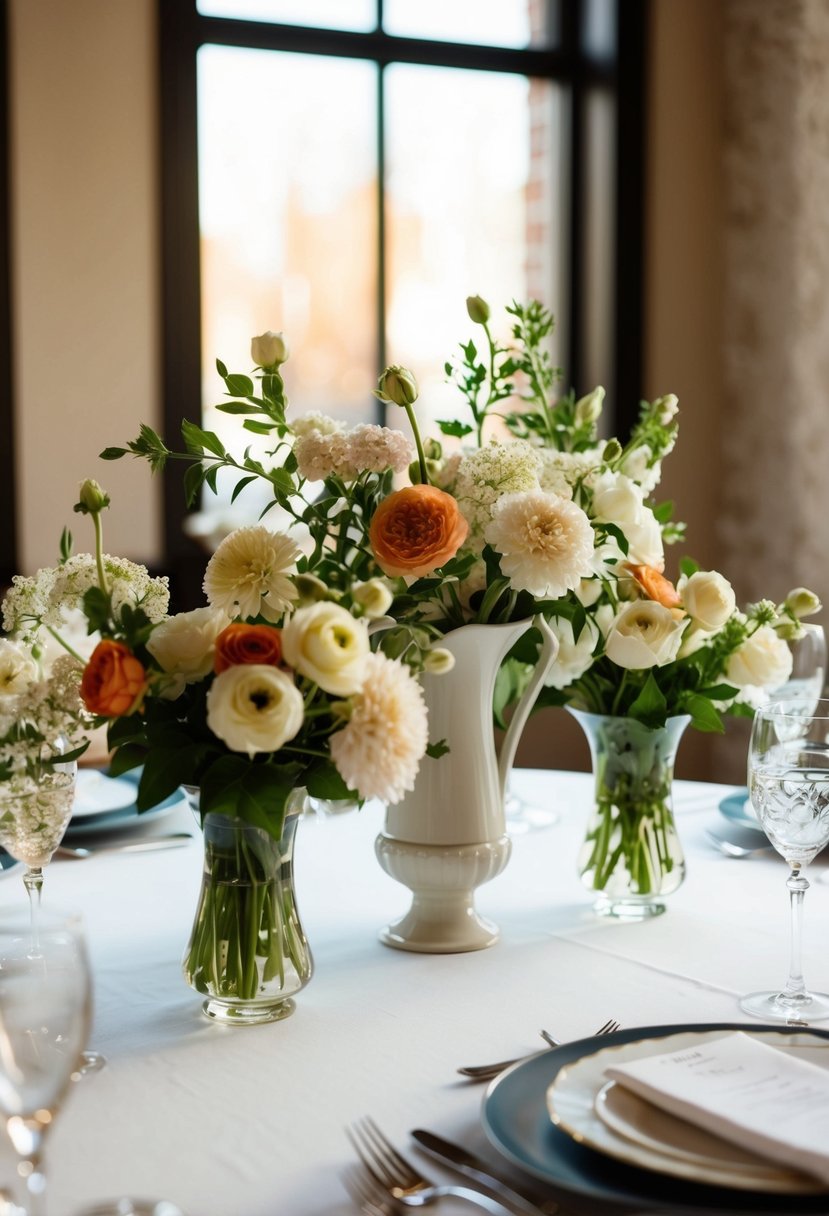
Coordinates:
(589, 408)
(666, 408)
(398, 386)
(612, 451)
(91, 499)
(789, 631)
(432, 449)
(374, 597)
(311, 589)
(432, 471)
(438, 661)
(269, 349)
(478, 310)
(802, 602)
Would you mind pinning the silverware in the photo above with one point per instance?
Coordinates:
(470, 1166)
(488, 1072)
(389, 1176)
(173, 841)
(732, 848)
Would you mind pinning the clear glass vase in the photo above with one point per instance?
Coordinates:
(631, 856)
(247, 952)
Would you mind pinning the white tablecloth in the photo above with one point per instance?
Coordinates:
(250, 1121)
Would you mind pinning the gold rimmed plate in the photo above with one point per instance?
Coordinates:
(515, 1119)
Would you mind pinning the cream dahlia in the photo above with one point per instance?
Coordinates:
(545, 542)
(247, 576)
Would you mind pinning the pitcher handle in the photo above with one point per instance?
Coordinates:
(546, 658)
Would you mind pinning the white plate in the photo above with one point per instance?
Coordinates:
(98, 794)
(606, 1118)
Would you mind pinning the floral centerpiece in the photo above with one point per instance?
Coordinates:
(521, 508)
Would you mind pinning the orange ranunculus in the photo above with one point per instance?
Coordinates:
(240, 643)
(656, 586)
(113, 681)
(416, 530)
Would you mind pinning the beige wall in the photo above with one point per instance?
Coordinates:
(85, 233)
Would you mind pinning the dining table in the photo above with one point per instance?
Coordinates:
(253, 1120)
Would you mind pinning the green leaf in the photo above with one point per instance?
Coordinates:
(256, 793)
(688, 566)
(663, 512)
(193, 478)
(221, 369)
(282, 481)
(163, 774)
(436, 750)
(65, 545)
(112, 453)
(238, 407)
(238, 385)
(650, 707)
(703, 715)
(126, 758)
(455, 427)
(258, 428)
(96, 608)
(240, 485)
(322, 780)
(198, 440)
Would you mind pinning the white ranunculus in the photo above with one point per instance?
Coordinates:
(643, 635)
(708, 598)
(574, 657)
(269, 349)
(183, 646)
(254, 708)
(325, 643)
(17, 669)
(764, 659)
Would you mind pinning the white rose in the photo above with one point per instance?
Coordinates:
(269, 349)
(374, 597)
(617, 500)
(254, 708)
(183, 645)
(708, 598)
(574, 657)
(644, 539)
(17, 669)
(326, 644)
(764, 659)
(644, 634)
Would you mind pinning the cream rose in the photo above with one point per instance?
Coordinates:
(708, 598)
(183, 646)
(269, 349)
(619, 500)
(644, 634)
(253, 708)
(764, 660)
(325, 643)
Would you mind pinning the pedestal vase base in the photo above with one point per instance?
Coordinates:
(247, 1013)
(442, 879)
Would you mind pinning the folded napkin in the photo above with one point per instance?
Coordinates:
(744, 1091)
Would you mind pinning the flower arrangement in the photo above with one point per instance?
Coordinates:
(271, 686)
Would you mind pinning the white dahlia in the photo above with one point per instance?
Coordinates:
(545, 542)
(247, 576)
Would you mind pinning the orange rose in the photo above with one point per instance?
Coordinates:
(656, 586)
(113, 682)
(239, 643)
(416, 530)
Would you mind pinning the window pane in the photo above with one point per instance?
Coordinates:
(357, 15)
(472, 209)
(600, 27)
(288, 217)
(513, 23)
(598, 246)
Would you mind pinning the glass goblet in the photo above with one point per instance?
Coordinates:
(788, 780)
(45, 1014)
(33, 819)
(804, 687)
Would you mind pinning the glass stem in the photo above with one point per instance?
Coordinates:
(33, 882)
(798, 886)
(27, 1137)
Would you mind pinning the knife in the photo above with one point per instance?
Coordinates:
(466, 1163)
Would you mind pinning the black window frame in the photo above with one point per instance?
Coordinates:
(8, 483)
(182, 30)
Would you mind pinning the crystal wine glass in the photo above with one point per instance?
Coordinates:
(45, 1014)
(788, 779)
(804, 686)
(32, 824)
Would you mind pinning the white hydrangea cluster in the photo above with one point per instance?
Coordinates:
(347, 454)
(560, 472)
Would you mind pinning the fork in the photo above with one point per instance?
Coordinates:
(487, 1072)
(389, 1179)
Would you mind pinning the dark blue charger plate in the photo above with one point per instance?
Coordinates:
(516, 1121)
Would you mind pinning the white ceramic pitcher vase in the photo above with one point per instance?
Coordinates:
(448, 836)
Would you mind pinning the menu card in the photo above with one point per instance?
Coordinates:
(740, 1088)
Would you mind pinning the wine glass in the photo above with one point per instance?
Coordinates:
(32, 824)
(788, 779)
(45, 1014)
(804, 686)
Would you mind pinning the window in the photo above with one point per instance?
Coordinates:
(349, 171)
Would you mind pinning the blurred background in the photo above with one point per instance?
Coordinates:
(178, 176)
